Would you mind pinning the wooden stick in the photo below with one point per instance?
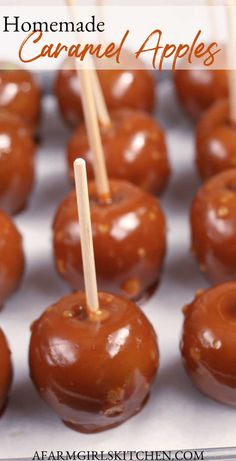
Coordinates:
(90, 114)
(231, 50)
(82, 196)
(101, 10)
(103, 114)
(212, 19)
(102, 111)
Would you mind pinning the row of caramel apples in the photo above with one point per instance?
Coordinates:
(111, 360)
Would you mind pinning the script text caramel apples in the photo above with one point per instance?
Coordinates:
(16, 163)
(197, 90)
(215, 141)
(122, 88)
(129, 236)
(11, 257)
(209, 342)
(213, 222)
(5, 371)
(94, 370)
(20, 94)
(134, 148)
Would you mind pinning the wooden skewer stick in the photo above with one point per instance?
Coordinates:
(212, 19)
(103, 114)
(90, 114)
(101, 9)
(231, 50)
(82, 196)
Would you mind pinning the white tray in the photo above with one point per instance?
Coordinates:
(177, 416)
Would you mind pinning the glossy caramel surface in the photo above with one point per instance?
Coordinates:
(20, 95)
(11, 257)
(134, 147)
(213, 223)
(197, 90)
(16, 163)
(5, 371)
(121, 88)
(129, 236)
(94, 372)
(209, 342)
(215, 141)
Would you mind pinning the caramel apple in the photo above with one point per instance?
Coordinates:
(11, 257)
(134, 148)
(16, 163)
(20, 94)
(213, 223)
(93, 355)
(95, 372)
(197, 90)
(5, 371)
(215, 141)
(129, 235)
(128, 223)
(209, 342)
(131, 88)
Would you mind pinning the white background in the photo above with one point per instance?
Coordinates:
(179, 24)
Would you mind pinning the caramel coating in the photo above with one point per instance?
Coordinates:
(95, 372)
(215, 141)
(129, 88)
(213, 223)
(16, 163)
(5, 371)
(134, 148)
(197, 90)
(129, 240)
(11, 257)
(20, 95)
(209, 342)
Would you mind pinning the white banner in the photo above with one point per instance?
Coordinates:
(164, 37)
